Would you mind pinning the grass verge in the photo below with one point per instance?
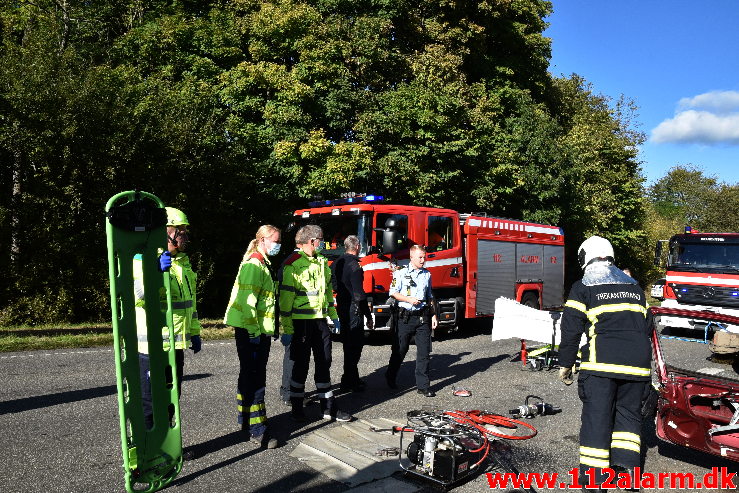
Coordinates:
(82, 336)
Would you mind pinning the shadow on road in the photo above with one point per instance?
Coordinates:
(196, 474)
(41, 401)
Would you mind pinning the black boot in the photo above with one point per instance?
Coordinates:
(297, 413)
(267, 441)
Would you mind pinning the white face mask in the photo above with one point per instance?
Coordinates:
(274, 249)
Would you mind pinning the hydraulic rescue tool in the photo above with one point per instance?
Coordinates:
(531, 410)
(152, 455)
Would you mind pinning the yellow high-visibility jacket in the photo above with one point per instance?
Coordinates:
(252, 303)
(305, 290)
(182, 282)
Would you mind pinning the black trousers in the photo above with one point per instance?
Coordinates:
(352, 338)
(146, 399)
(311, 336)
(418, 326)
(252, 413)
(287, 373)
(610, 430)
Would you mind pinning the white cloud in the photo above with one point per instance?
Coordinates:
(708, 118)
(714, 101)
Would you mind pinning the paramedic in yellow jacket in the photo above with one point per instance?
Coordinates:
(306, 299)
(251, 311)
(183, 281)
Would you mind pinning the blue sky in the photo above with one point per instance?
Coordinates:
(678, 60)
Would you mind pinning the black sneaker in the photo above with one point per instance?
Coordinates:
(427, 392)
(390, 382)
(339, 416)
(188, 454)
(299, 417)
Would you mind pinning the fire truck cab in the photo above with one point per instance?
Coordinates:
(473, 259)
(702, 274)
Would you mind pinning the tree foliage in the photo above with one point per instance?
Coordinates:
(686, 196)
(239, 111)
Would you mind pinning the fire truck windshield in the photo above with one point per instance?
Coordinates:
(335, 230)
(718, 257)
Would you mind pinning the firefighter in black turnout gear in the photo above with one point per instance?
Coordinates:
(352, 307)
(610, 308)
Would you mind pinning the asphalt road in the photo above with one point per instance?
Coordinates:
(60, 433)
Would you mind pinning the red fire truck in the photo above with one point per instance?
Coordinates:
(473, 258)
(702, 274)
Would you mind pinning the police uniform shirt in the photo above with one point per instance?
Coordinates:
(415, 283)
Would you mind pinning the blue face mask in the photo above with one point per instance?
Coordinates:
(274, 249)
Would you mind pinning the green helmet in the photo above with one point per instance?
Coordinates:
(176, 217)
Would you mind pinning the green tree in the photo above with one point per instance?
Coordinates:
(237, 112)
(602, 184)
(685, 193)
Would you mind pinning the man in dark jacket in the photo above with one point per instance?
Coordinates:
(352, 307)
(610, 308)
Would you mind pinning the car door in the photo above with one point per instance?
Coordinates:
(698, 407)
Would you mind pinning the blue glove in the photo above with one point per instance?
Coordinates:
(196, 344)
(286, 339)
(165, 262)
(337, 326)
(255, 340)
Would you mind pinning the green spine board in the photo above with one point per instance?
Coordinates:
(152, 458)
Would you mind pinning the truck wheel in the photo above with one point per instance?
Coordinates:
(530, 300)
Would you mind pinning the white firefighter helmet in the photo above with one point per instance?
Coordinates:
(595, 248)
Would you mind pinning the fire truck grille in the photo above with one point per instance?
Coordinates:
(707, 295)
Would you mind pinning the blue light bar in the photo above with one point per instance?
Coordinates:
(684, 290)
(735, 293)
(356, 199)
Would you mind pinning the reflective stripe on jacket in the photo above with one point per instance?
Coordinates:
(252, 302)
(182, 282)
(305, 290)
(614, 319)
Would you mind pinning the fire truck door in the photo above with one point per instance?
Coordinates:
(443, 252)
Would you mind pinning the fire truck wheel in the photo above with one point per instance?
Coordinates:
(530, 300)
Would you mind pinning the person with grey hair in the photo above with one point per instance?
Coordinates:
(287, 363)
(352, 307)
(306, 299)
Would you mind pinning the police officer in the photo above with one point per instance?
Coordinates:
(610, 308)
(351, 304)
(411, 286)
(306, 299)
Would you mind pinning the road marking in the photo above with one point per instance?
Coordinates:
(92, 351)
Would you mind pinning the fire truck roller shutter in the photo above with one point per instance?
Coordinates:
(496, 273)
(554, 275)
